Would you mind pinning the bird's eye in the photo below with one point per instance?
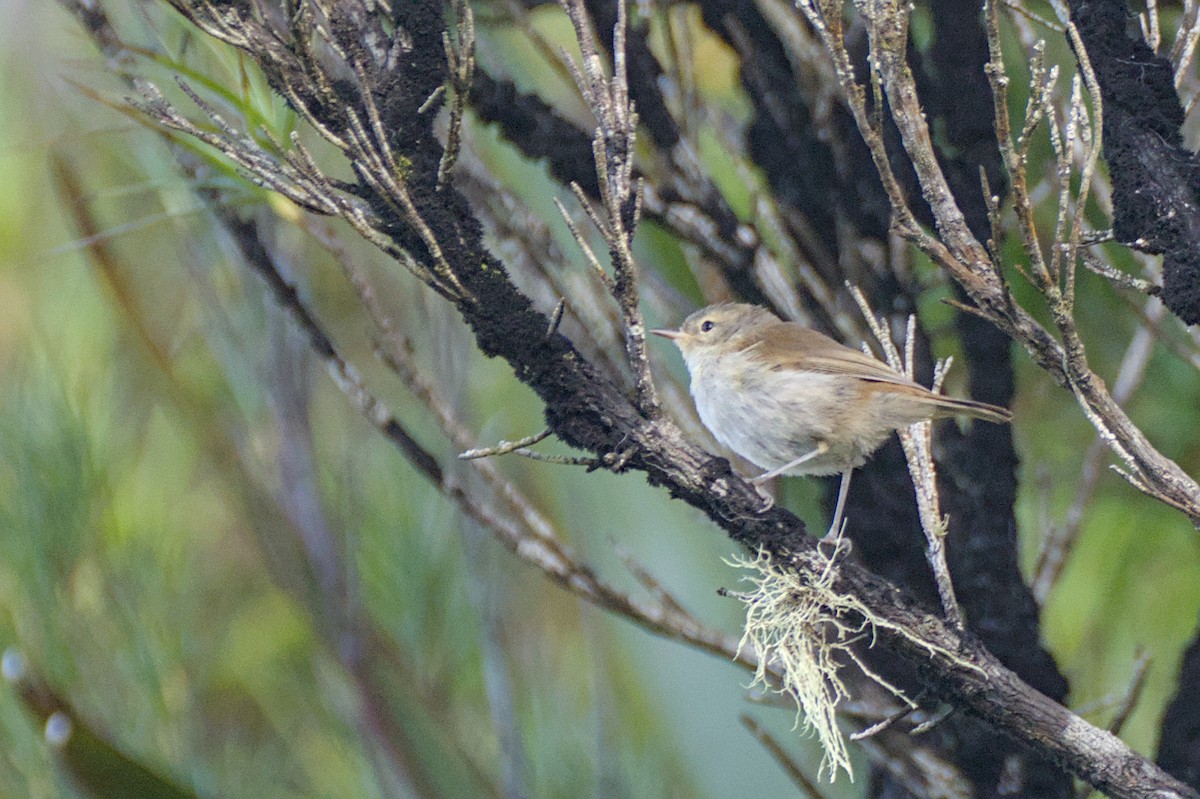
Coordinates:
(706, 326)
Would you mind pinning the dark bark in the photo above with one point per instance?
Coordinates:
(1179, 740)
(585, 409)
(979, 468)
(1155, 180)
(538, 132)
(978, 479)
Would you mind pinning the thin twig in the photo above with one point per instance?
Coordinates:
(785, 761)
(888, 721)
(1060, 542)
(650, 582)
(1133, 694)
(917, 441)
(505, 447)
(1020, 8)
(620, 193)
(1125, 707)
(588, 253)
(934, 720)
(1184, 47)
(461, 59)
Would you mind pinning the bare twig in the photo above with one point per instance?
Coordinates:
(1117, 277)
(888, 721)
(1020, 8)
(1125, 707)
(1059, 543)
(1133, 694)
(934, 720)
(1151, 30)
(785, 761)
(505, 447)
(461, 58)
(1184, 47)
(620, 194)
(589, 409)
(917, 441)
(581, 240)
(650, 582)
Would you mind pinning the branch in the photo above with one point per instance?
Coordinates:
(1156, 199)
(587, 410)
(917, 441)
(613, 148)
(961, 254)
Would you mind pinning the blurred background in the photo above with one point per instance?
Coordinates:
(173, 463)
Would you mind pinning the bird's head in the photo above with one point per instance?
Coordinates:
(718, 329)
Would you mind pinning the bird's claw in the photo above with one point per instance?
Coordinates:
(840, 545)
(768, 500)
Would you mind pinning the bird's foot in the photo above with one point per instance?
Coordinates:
(835, 540)
(833, 548)
(768, 499)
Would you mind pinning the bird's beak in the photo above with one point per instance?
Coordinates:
(671, 334)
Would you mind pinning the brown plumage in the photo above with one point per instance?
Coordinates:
(789, 346)
(794, 401)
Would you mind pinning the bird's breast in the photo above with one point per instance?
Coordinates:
(772, 417)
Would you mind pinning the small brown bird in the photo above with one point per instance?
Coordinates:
(794, 401)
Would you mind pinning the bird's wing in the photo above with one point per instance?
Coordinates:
(794, 346)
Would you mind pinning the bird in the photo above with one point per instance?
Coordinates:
(794, 401)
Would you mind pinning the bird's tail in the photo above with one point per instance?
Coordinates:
(949, 406)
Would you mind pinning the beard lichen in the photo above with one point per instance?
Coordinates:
(803, 630)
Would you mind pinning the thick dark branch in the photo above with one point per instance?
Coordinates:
(1179, 741)
(1156, 182)
(698, 213)
(998, 696)
(587, 410)
(537, 130)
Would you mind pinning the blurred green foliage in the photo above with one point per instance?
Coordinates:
(153, 576)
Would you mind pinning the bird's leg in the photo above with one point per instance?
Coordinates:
(843, 490)
(821, 449)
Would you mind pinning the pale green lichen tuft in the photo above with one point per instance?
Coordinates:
(800, 626)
